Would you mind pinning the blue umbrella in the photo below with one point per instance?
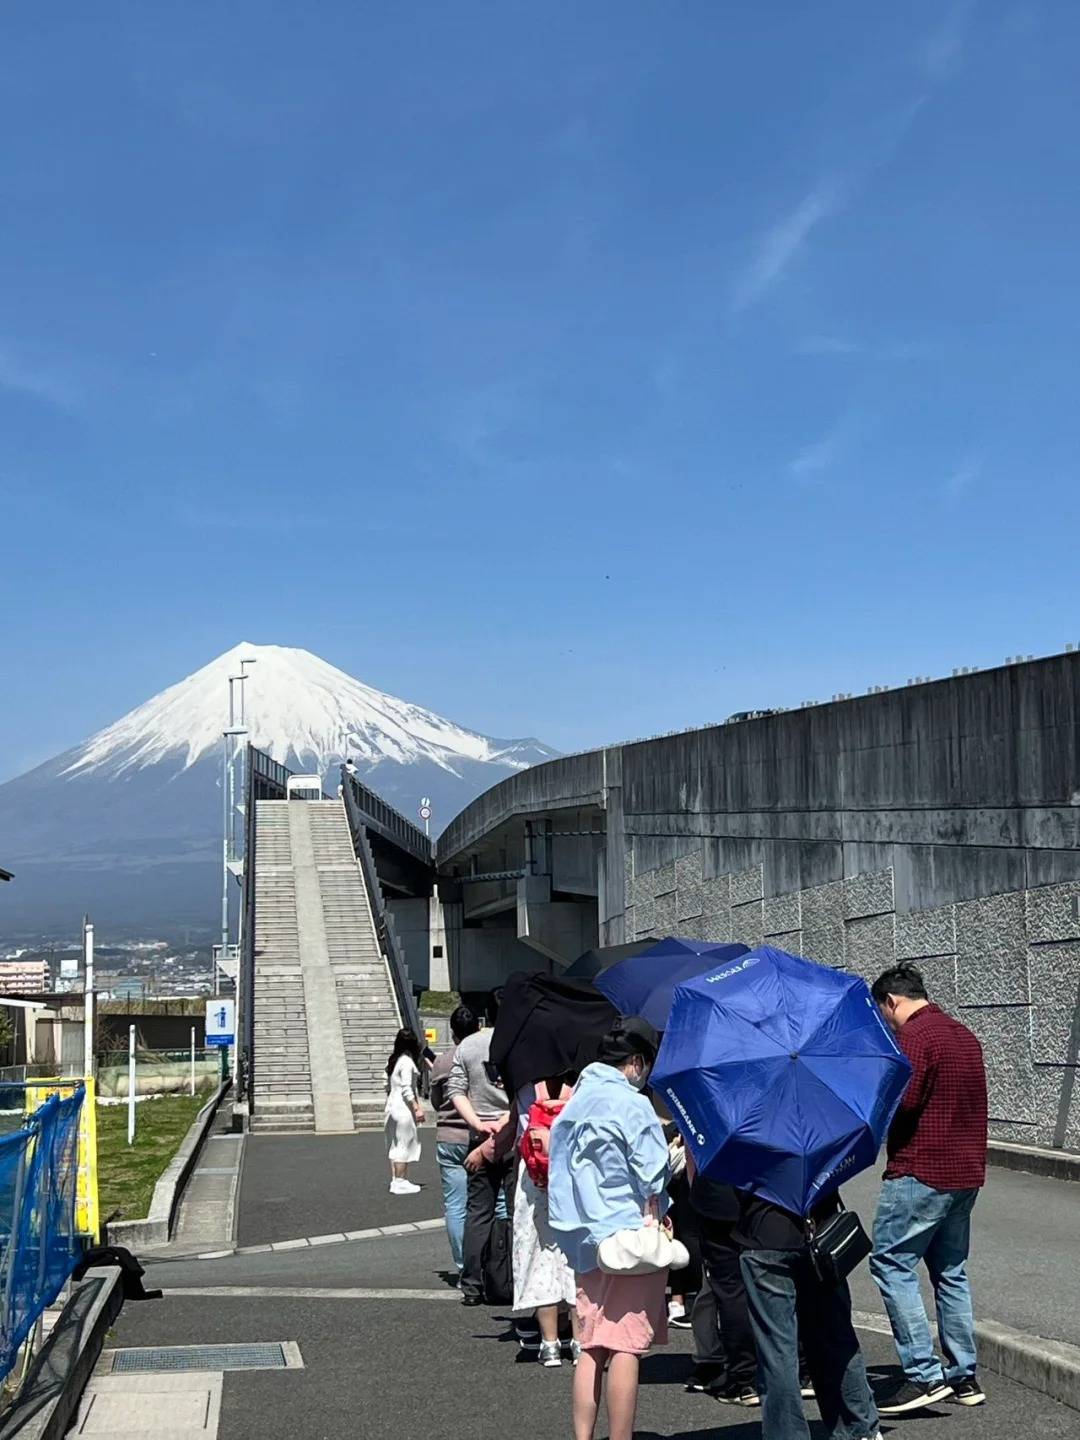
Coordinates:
(645, 984)
(781, 1075)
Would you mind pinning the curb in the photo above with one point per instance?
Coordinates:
(1033, 1160)
(49, 1400)
(1052, 1367)
(155, 1228)
(303, 1242)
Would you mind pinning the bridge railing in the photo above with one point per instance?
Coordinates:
(267, 779)
(385, 820)
(388, 940)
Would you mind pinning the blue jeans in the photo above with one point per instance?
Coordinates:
(917, 1223)
(455, 1183)
(788, 1300)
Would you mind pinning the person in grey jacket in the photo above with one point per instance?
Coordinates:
(483, 1105)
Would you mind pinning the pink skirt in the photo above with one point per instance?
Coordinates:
(624, 1313)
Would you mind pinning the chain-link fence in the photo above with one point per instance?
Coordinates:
(158, 1072)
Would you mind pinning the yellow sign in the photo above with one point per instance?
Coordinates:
(431, 1036)
(87, 1218)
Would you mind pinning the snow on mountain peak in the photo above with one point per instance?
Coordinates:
(294, 703)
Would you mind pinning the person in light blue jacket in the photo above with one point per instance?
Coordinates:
(608, 1171)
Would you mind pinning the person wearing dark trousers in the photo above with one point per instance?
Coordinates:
(786, 1298)
(726, 1358)
(482, 1104)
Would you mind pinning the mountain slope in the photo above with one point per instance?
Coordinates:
(131, 819)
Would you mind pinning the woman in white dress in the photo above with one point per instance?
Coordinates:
(544, 1282)
(404, 1112)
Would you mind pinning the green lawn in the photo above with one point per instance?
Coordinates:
(439, 1002)
(127, 1173)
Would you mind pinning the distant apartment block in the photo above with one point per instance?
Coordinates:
(23, 976)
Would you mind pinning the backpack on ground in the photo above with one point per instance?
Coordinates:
(535, 1146)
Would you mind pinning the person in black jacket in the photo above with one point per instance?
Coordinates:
(787, 1298)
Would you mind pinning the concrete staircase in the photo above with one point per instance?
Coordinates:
(325, 1014)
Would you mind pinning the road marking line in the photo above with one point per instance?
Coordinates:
(381, 1232)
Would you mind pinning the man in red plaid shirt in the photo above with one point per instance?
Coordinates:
(936, 1166)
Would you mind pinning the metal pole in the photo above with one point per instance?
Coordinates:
(131, 1084)
(88, 997)
(193, 1059)
(224, 851)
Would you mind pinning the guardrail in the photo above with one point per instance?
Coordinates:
(388, 941)
(39, 1242)
(385, 820)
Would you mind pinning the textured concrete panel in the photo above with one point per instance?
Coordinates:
(688, 871)
(691, 927)
(1055, 999)
(870, 894)
(716, 926)
(644, 887)
(926, 932)
(716, 895)
(746, 885)
(991, 942)
(823, 923)
(688, 901)
(664, 914)
(630, 923)
(783, 913)
(1005, 1032)
(747, 923)
(665, 879)
(1016, 1134)
(1050, 913)
(1057, 1094)
(869, 946)
(791, 942)
(645, 917)
(939, 974)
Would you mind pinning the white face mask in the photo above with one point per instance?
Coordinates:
(639, 1079)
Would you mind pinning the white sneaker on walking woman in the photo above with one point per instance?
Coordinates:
(403, 1187)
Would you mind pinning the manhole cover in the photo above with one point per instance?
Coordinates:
(170, 1358)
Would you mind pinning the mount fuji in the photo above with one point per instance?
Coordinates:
(127, 825)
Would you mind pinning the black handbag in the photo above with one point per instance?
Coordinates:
(837, 1246)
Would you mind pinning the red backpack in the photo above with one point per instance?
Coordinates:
(536, 1141)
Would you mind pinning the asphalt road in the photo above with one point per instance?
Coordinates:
(391, 1366)
(401, 1369)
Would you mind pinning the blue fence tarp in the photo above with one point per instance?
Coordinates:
(39, 1246)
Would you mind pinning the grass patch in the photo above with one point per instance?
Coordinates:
(438, 1002)
(127, 1173)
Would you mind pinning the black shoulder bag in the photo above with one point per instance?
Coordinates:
(837, 1246)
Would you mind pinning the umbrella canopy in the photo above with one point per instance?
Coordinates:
(547, 1025)
(645, 983)
(781, 1075)
(590, 964)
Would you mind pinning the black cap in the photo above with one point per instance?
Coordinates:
(630, 1036)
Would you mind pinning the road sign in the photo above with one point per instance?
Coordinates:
(425, 812)
(221, 1022)
(431, 1035)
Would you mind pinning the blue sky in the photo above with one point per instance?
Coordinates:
(577, 370)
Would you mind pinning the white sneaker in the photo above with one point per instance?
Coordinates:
(676, 1310)
(403, 1187)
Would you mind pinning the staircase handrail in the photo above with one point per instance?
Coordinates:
(388, 941)
(267, 779)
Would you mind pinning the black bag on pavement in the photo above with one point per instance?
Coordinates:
(837, 1246)
(498, 1265)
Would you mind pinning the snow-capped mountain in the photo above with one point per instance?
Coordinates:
(129, 822)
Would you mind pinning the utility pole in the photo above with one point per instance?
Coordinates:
(88, 998)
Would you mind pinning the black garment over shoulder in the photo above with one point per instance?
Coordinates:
(764, 1226)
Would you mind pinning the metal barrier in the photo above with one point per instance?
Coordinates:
(39, 1242)
(384, 820)
(388, 941)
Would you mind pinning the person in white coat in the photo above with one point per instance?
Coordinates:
(404, 1112)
